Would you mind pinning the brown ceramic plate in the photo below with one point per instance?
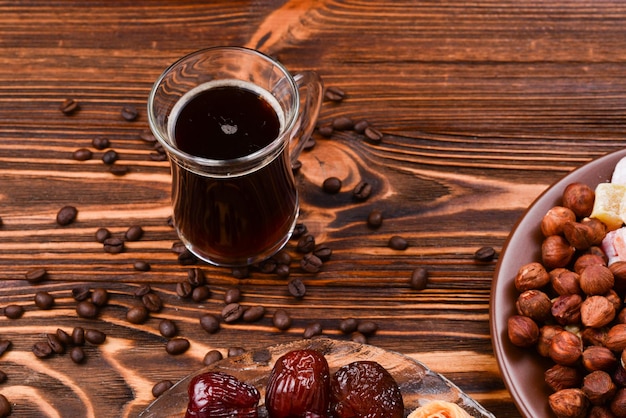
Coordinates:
(417, 383)
(523, 369)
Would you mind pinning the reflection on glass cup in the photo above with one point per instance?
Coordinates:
(233, 121)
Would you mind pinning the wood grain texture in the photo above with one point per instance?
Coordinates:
(483, 105)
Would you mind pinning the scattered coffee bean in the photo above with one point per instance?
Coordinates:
(306, 244)
(312, 330)
(82, 154)
(42, 349)
(367, 327)
(419, 279)
(232, 312)
(110, 157)
(87, 309)
(129, 113)
(309, 144)
(374, 135)
(296, 288)
(187, 258)
(201, 293)
(196, 277)
(141, 265)
(359, 338)
(398, 243)
(134, 233)
(100, 296)
(375, 219)
(281, 320)
(263, 356)
(137, 314)
(334, 94)
(323, 252)
(147, 136)
(142, 290)
(240, 272)
(177, 346)
(178, 247)
(210, 323)
(311, 263)
(211, 357)
(55, 343)
(362, 191)
(102, 234)
(152, 302)
(161, 387)
(3, 378)
(94, 336)
(184, 289)
(81, 293)
(232, 295)
(268, 266)
(485, 254)
(100, 143)
(119, 170)
(360, 126)
(64, 337)
(253, 313)
(235, 351)
(113, 245)
(332, 185)
(66, 215)
(13, 311)
(282, 257)
(348, 325)
(326, 130)
(77, 354)
(299, 230)
(36, 275)
(69, 106)
(167, 328)
(156, 156)
(343, 123)
(4, 346)
(44, 300)
(5, 406)
(282, 271)
(78, 336)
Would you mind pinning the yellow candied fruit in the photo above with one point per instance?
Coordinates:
(608, 207)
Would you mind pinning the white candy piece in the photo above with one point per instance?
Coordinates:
(619, 172)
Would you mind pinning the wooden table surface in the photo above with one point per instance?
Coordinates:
(482, 105)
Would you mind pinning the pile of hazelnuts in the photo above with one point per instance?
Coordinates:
(571, 310)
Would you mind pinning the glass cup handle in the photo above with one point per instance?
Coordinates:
(311, 90)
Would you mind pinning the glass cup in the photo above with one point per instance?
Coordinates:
(234, 199)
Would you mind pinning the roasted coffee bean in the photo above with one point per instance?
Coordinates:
(268, 266)
(113, 245)
(94, 336)
(178, 248)
(4, 346)
(137, 314)
(129, 113)
(100, 296)
(323, 252)
(360, 126)
(343, 123)
(262, 356)
(147, 136)
(358, 338)
(177, 346)
(311, 263)
(161, 387)
(119, 170)
(332, 185)
(232, 312)
(81, 293)
(282, 257)
(201, 293)
(334, 94)
(78, 336)
(326, 130)
(419, 279)
(296, 288)
(167, 328)
(299, 230)
(398, 243)
(374, 135)
(69, 106)
(281, 320)
(196, 277)
(282, 271)
(13, 311)
(152, 302)
(3, 378)
(485, 254)
(362, 191)
(309, 144)
(64, 337)
(142, 290)
(44, 300)
(187, 258)
(348, 325)
(235, 351)
(184, 289)
(253, 313)
(232, 295)
(156, 156)
(375, 219)
(100, 143)
(55, 343)
(134, 233)
(211, 357)
(66, 215)
(312, 330)
(5, 406)
(306, 244)
(102, 234)
(210, 323)
(77, 354)
(367, 327)
(110, 157)
(82, 154)
(240, 272)
(141, 265)
(86, 309)
(36, 275)
(42, 349)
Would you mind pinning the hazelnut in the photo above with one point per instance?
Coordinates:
(553, 221)
(599, 387)
(619, 375)
(618, 268)
(596, 280)
(598, 358)
(566, 309)
(596, 250)
(566, 348)
(594, 336)
(534, 304)
(579, 198)
(531, 276)
(596, 311)
(556, 252)
(599, 230)
(569, 403)
(600, 412)
(618, 403)
(560, 377)
(579, 235)
(616, 338)
(546, 333)
(614, 298)
(564, 281)
(586, 260)
(523, 331)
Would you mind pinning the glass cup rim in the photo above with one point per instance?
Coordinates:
(244, 161)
